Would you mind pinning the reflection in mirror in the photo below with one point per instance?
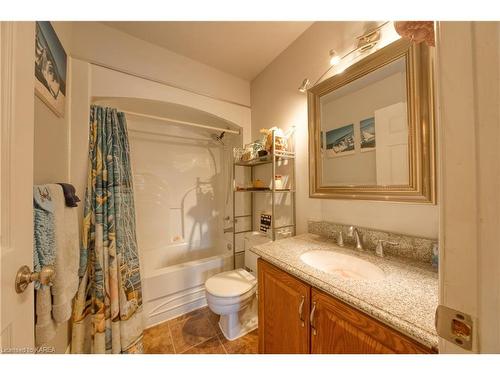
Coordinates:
(364, 130)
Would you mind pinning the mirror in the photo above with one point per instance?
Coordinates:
(371, 128)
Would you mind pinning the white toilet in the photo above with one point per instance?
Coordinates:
(233, 294)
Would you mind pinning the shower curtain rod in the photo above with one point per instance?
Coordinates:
(166, 119)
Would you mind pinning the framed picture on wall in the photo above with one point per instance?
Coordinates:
(50, 68)
(340, 141)
(367, 134)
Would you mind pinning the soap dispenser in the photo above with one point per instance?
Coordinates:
(435, 256)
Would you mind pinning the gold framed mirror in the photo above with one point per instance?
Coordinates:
(371, 128)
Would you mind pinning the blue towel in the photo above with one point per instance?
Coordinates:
(44, 229)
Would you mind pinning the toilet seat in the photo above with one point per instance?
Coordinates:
(230, 284)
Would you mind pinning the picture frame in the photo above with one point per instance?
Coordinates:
(50, 68)
(367, 135)
(340, 141)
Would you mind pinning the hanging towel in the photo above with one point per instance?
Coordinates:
(66, 278)
(69, 194)
(53, 304)
(44, 229)
(43, 255)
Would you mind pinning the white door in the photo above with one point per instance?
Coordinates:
(391, 131)
(16, 181)
(468, 79)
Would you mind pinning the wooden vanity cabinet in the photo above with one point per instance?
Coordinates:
(284, 305)
(326, 325)
(341, 329)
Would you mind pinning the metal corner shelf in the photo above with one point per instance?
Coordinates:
(273, 158)
(267, 190)
(267, 159)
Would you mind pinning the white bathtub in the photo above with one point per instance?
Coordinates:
(170, 291)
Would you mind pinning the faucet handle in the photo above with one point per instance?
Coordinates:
(340, 238)
(379, 250)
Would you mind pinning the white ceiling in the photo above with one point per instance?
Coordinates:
(242, 49)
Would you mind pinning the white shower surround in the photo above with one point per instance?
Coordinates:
(171, 288)
(181, 183)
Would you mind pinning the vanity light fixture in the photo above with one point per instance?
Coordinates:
(365, 42)
(334, 57)
(305, 85)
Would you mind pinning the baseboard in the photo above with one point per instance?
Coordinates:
(169, 307)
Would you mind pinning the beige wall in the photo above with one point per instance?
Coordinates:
(276, 101)
(51, 133)
(94, 41)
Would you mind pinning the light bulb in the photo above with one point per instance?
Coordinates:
(334, 58)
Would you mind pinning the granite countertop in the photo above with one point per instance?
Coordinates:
(406, 299)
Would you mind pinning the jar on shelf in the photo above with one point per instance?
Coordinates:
(278, 182)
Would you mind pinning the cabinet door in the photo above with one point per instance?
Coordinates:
(284, 303)
(339, 329)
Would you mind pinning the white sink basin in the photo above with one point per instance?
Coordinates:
(342, 265)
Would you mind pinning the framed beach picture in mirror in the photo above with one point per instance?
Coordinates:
(340, 141)
(50, 68)
(367, 134)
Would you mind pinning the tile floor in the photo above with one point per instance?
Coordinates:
(196, 332)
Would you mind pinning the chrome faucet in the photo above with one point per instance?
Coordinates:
(353, 232)
(340, 239)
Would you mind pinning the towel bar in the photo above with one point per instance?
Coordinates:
(24, 277)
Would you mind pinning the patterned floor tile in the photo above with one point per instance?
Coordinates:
(189, 315)
(157, 340)
(248, 344)
(212, 346)
(196, 332)
(191, 332)
(213, 317)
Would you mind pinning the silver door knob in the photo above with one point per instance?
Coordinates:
(25, 277)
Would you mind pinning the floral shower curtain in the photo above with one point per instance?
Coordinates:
(107, 313)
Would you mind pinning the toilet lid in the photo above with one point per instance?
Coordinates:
(231, 283)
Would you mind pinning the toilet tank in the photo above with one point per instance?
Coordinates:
(253, 239)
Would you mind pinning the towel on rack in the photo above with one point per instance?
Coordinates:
(66, 278)
(43, 255)
(69, 194)
(53, 304)
(44, 229)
